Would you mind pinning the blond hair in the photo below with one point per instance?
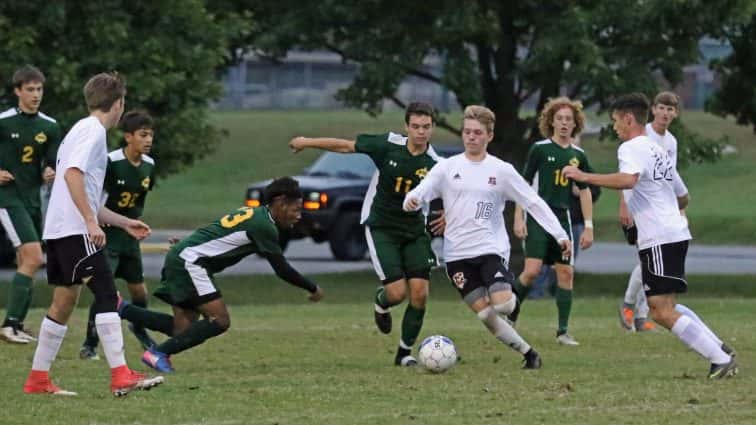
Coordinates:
(103, 90)
(481, 114)
(667, 98)
(551, 108)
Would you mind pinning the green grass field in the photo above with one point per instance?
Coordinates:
(721, 211)
(286, 361)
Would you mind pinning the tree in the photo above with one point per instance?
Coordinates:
(169, 52)
(501, 54)
(737, 94)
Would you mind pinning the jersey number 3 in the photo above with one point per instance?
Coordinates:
(231, 220)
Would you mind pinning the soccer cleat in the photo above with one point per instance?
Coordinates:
(724, 370)
(532, 360)
(10, 334)
(131, 381)
(143, 337)
(88, 353)
(40, 383)
(382, 320)
(158, 361)
(407, 361)
(626, 316)
(643, 325)
(729, 350)
(566, 339)
(25, 333)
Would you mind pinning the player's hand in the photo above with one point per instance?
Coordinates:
(438, 225)
(173, 240)
(96, 234)
(6, 177)
(297, 144)
(138, 229)
(574, 173)
(411, 203)
(624, 216)
(48, 174)
(317, 295)
(520, 228)
(586, 239)
(566, 246)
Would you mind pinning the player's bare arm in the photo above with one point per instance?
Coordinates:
(136, 228)
(520, 228)
(586, 204)
(75, 181)
(326, 143)
(612, 181)
(438, 225)
(624, 214)
(6, 177)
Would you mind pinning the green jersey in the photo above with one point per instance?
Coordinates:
(127, 186)
(398, 172)
(544, 164)
(225, 242)
(28, 143)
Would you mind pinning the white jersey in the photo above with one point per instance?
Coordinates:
(84, 147)
(669, 142)
(652, 202)
(474, 195)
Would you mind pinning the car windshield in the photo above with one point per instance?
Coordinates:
(332, 164)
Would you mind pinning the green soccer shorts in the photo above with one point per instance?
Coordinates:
(539, 244)
(22, 224)
(397, 254)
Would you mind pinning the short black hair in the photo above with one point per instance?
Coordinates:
(287, 187)
(634, 103)
(133, 121)
(419, 108)
(27, 74)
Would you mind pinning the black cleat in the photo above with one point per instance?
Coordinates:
(724, 370)
(383, 321)
(532, 360)
(404, 358)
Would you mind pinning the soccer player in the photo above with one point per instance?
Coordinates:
(75, 242)
(128, 179)
(474, 187)
(561, 120)
(646, 176)
(399, 245)
(28, 144)
(665, 108)
(187, 283)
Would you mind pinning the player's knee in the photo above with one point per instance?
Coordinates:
(506, 307)
(396, 292)
(528, 275)
(221, 323)
(488, 317)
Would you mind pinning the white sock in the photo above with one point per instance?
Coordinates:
(111, 335)
(690, 313)
(502, 330)
(50, 338)
(641, 306)
(507, 306)
(693, 335)
(634, 284)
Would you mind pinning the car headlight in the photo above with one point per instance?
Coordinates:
(315, 201)
(253, 199)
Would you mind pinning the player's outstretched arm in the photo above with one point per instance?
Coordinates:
(285, 271)
(519, 227)
(136, 228)
(326, 143)
(612, 181)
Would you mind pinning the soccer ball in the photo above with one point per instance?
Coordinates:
(437, 353)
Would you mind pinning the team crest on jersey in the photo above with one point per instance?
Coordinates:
(459, 280)
(574, 162)
(492, 181)
(146, 183)
(421, 172)
(40, 138)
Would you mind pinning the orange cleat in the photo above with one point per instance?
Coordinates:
(39, 382)
(626, 317)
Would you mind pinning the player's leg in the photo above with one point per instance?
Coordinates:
(563, 299)
(138, 292)
(21, 230)
(634, 288)
(685, 310)
(385, 253)
(88, 350)
(536, 248)
(131, 271)
(641, 322)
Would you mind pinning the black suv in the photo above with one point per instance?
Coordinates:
(333, 189)
(7, 252)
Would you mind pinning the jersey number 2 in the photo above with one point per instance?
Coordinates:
(28, 154)
(232, 220)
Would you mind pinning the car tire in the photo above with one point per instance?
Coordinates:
(7, 253)
(347, 238)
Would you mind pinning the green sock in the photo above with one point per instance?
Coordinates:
(564, 306)
(149, 319)
(19, 295)
(411, 324)
(199, 332)
(92, 338)
(521, 290)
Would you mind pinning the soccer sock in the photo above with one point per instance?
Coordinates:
(19, 295)
(109, 329)
(502, 330)
(521, 291)
(641, 306)
(411, 325)
(149, 319)
(199, 332)
(27, 303)
(382, 304)
(141, 303)
(49, 340)
(683, 309)
(693, 335)
(634, 285)
(564, 306)
(92, 339)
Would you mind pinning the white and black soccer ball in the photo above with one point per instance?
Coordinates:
(437, 353)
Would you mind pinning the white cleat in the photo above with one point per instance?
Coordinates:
(11, 335)
(24, 334)
(566, 339)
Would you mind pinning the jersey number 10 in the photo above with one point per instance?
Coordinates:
(560, 179)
